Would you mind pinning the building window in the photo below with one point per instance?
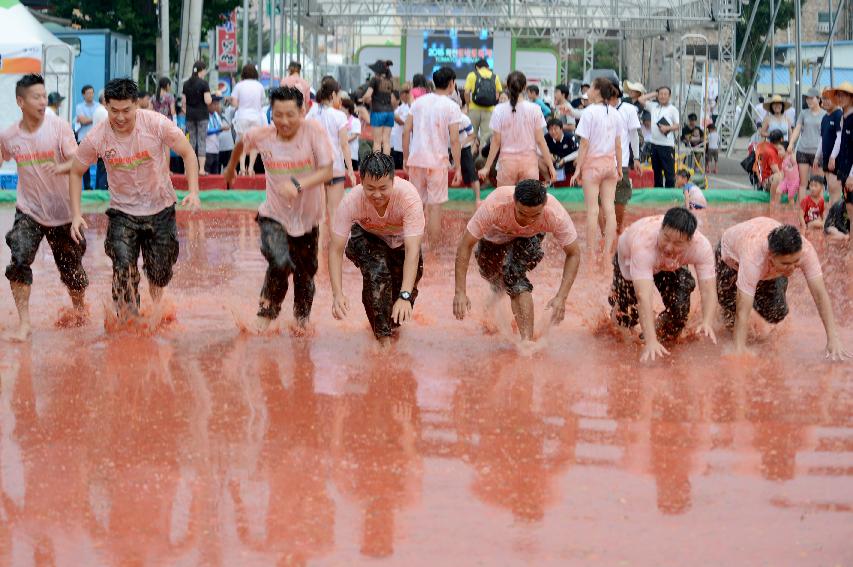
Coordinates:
(824, 22)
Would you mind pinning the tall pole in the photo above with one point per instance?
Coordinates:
(299, 31)
(798, 73)
(164, 38)
(260, 22)
(182, 54)
(245, 31)
(282, 39)
(772, 51)
(272, 43)
(832, 29)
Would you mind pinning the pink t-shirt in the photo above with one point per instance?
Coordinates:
(790, 171)
(517, 129)
(744, 247)
(432, 116)
(403, 217)
(495, 220)
(41, 195)
(600, 126)
(307, 151)
(300, 84)
(640, 259)
(333, 121)
(137, 164)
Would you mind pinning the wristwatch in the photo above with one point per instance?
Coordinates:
(296, 184)
(406, 296)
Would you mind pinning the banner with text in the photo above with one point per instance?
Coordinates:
(226, 44)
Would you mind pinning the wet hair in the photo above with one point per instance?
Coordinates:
(533, 89)
(563, 89)
(554, 122)
(419, 80)
(249, 72)
(684, 173)
(443, 77)
(327, 89)
(481, 63)
(604, 86)
(775, 137)
(819, 179)
(121, 89)
(284, 94)
(668, 90)
(86, 88)
(515, 83)
(26, 82)
(377, 165)
(530, 193)
(784, 240)
(680, 219)
(199, 66)
(349, 105)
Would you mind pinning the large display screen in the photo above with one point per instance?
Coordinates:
(457, 50)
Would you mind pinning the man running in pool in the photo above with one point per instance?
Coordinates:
(654, 252)
(383, 218)
(507, 231)
(754, 261)
(42, 145)
(298, 160)
(135, 148)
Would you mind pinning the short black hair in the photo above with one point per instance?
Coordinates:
(585, 86)
(680, 219)
(819, 179)
(86, 88)
(143, 94)
(784, 240)
(669, 90)
(26, 82)
(692, 116)
(683, 173)
(376, 164)
(533, 89)
(554, 122)
(775, 137)
(295, 65)
(443, 77)
(530, 193)
(121, 89)
(287, 93)
(481, 63)
(563, 89)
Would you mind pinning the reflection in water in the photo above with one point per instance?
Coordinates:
(204, 446)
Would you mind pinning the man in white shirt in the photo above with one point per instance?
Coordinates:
(630, 126)
(401, 112)
(665, 121)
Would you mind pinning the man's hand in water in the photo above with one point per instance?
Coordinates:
(835, 351)
(402, 311)
(461, 305)
(652, 350)
(340, 306)
(191, 201)
(76, 225)
(558, 307)
(706, 330)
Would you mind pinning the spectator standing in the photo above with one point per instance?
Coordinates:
(533, 96)
(54, 100)
(776, 118)
(805, 138)
(378, 96)
(665, 121)
(482, 89)
(163, 100)
(85, 112)
(248, 98)
(196, 98)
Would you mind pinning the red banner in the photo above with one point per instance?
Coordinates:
(226, 44)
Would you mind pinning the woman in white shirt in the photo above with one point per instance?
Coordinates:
(337, 126)
(518, 133)
(248, 98)
(775, 119)
(599, 163)
(354, 125)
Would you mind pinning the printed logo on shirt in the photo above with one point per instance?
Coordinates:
(286, 167)
(126, 163)
(33, 159)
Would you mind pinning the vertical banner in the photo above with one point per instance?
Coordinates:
(226, 44)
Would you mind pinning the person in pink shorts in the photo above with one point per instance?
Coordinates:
(431, 127)
(518, 137)
(790, 184)
(599, 163)
(507, 231)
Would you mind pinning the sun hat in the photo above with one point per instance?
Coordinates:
(629, 86)
(845, 87)
(768, 104)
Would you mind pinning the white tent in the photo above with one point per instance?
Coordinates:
(26, 46)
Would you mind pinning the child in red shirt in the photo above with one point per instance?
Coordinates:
(812, 206)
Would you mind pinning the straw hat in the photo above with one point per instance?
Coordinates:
(845, 87)
(768, 104)
(629, 86)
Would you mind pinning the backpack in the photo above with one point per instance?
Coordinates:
(485, 90)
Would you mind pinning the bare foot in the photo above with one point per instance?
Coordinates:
(384, 344)
(262, 324)
(301, 328)
(21, 334)
(72, 318)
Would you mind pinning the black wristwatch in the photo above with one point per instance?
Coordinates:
(406, 296)
(296, 184)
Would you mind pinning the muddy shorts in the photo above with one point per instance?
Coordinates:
(505, 266)
(624, 188)
(769, 301)
(155, 236)
(287, 255)
(24, 240)
(675, 289)
(382, 277)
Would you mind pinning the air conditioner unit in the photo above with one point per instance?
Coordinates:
(823, 27)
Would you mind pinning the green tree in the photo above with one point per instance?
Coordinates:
(138, 18)
(759, 35)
